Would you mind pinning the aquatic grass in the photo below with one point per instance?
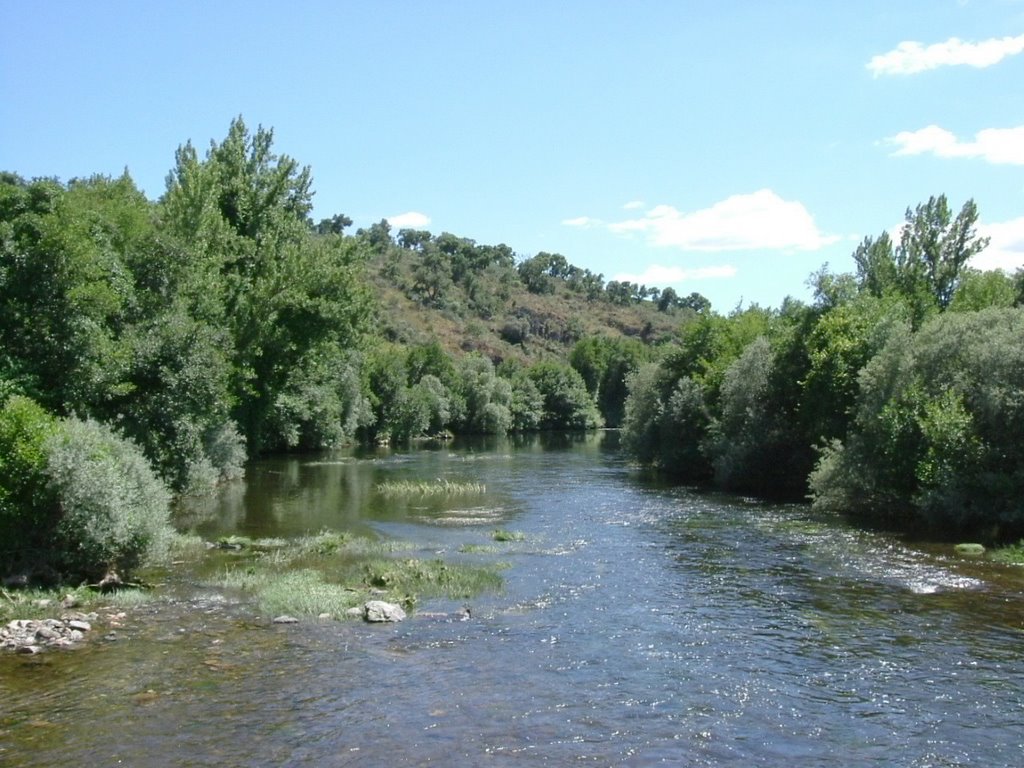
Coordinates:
(483, 549)
(305, 593)
(183, 546)
(439, 487)
(503, 535)
(128, 598)
(431, 578)
(330, 573)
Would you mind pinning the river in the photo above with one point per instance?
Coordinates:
(639, 624)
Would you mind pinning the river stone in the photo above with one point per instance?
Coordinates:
(286, 620)
(47, 633)
(378, 610)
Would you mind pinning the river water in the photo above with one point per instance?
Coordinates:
(638, 625)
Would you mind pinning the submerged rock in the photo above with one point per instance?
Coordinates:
(379, 611)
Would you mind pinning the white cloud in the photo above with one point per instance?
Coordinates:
(758, 221)
(658, 275)
(409, 220)
(996, 145)
(633, 205)
(1005, 249)
(581, 222)
(910, 57)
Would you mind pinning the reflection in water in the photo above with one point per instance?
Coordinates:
(638, 625)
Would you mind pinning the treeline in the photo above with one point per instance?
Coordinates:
(163, 342)
(897, 397)
(151, 347)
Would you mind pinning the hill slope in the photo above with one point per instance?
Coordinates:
(425, 294)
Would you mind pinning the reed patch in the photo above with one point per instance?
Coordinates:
(330, 573)
(438, 487)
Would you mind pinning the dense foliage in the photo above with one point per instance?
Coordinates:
(147, 345)
(182, 335)
(894, 398)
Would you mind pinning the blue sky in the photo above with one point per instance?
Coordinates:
(729, 148)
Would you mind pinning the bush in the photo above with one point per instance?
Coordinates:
(666, 430)
(113, 508)
(487, 396)
(27, 506)
(936, 440)
(76, 499)
(567, 404)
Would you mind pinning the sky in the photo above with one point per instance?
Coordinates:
(728, 148)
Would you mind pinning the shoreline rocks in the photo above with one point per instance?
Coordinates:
(31, 636)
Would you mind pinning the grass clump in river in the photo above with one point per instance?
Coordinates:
(300, 592)
(439, 487)
(331, 573)
(503, 535)
(479, 549)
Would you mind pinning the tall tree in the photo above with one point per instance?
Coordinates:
(284, 292)
(935, 248)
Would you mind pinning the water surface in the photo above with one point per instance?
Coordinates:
(639, 625)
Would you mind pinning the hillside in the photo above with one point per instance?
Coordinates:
(472, 298)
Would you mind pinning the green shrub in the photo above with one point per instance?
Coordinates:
(27, 505)
(936, 439)
(567, 404)
(113, 508)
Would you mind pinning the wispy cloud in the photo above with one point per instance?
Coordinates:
(409, 220)
(758, 221)
(582, 222)
(996, 145)
(1006, 247)
(911, 57)
(659, 275)
(633, 205)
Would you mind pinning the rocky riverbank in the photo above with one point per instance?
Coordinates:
(34, 635)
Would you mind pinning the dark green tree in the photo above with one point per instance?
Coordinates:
(335, 225)
(567, 404)
(284, 291)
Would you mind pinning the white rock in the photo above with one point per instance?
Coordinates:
(378, 610)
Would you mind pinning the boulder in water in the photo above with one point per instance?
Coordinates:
(378, 611)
